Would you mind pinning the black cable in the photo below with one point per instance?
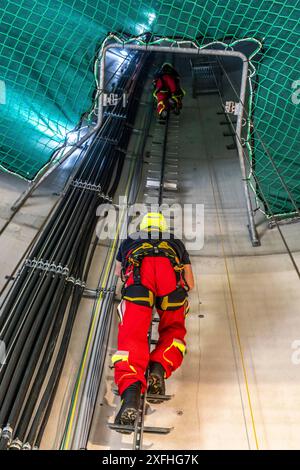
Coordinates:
(39, 296)
(56, 370)
(31, 353)
(42, 371)
(18, 358)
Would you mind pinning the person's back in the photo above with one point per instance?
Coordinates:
(156, 272)
(137, 238)
(167, 90)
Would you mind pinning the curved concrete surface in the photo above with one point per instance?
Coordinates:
(239, 386)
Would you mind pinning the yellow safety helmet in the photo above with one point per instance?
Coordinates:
(167, 68)
(154, 221)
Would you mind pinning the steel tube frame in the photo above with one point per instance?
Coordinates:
(49, 168)
(196, 51)
(174, 50)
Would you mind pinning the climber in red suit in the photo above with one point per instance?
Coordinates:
(168, 91)
(157, 273)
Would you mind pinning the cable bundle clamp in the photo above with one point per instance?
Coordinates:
(76, 282)
(91, 187)
(47, 266)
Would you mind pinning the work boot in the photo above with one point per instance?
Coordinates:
(163, 116)
(156, 382)
(130, 403)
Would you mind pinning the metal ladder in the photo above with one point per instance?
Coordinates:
(162, 176)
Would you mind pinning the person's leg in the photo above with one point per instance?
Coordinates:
(170, 348)
(162, 103)
(176, 103)
(132, 357)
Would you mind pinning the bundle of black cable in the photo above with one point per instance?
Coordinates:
(39, 311)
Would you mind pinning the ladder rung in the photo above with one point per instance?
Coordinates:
(157, 398)
(130, 429)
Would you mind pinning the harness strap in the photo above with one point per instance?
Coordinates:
(135, 258)
(139, 295)
(173, 300)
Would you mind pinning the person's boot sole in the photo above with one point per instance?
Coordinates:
(127, 418)
(156, 387)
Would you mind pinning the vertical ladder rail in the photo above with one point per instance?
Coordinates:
(139, 428)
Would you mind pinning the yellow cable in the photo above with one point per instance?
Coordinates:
(106, 273)
(236, 321)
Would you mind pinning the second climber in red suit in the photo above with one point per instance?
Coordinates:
(157, 272)
(167, 91)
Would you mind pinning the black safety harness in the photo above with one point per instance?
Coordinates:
(140, 294)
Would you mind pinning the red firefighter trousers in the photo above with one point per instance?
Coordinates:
(166, 88)
(132, 358)
(163, 98)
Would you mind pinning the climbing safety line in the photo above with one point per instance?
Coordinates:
(67, 440)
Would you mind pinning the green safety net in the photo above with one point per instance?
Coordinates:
(47, 56)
